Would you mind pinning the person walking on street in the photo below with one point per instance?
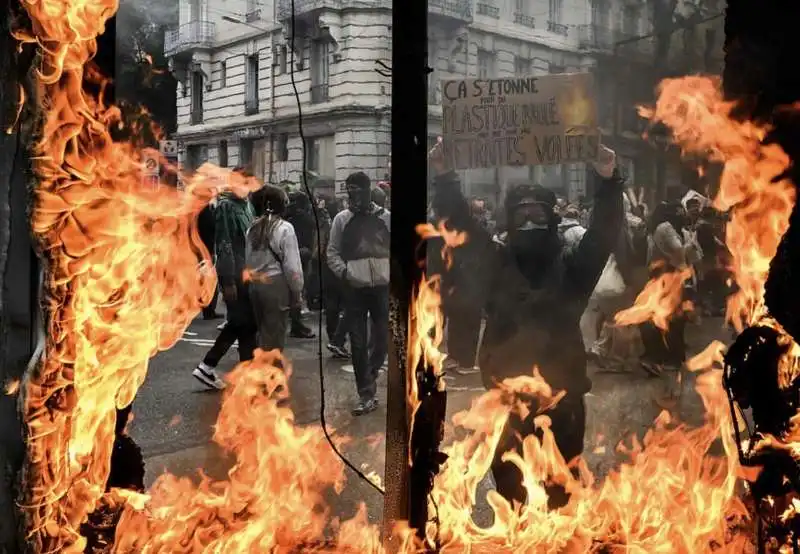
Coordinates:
(273, 262)
(233, 217)
(358, 253)
(301, 216)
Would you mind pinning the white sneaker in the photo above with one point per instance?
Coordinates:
(222, 325)
(208, 376)
(348, 368)
(468, 370)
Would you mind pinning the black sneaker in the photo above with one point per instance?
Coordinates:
(365, 407)
(208, 377)
(338, 351)
(302, 333)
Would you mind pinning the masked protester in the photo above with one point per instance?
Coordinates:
(358, 253)
(301, 216)
(536, 292)
(273, 259)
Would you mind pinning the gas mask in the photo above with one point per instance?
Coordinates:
(359, 199)
(533, 238)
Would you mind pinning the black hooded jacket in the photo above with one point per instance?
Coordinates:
(528, 326)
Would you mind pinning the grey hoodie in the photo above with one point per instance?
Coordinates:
(364, 262)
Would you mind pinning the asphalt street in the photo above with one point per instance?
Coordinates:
(174, 414)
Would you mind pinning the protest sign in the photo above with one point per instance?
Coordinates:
(519, 121)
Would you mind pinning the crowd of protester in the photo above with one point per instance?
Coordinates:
(538, 283)
(277, 255)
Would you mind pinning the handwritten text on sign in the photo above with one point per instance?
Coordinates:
(519, 121)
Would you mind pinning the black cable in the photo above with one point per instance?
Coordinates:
(314, 208)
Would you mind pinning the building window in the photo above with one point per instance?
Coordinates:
(522, 67)
(194, 10)
(485, 64)
(223, 74)
(555, 10)
(601, 13)
(312, 154)
(556, 69)
(196, 155)
(197, 98)
(251, 85)
(630, 21)
(320, 71)
(223, 153)
(246, 153)
(321, 155)
(282, 148)
(283, 58)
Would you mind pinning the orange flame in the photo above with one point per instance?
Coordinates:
(122, 279)
(759, 205)
(271, 501)
(123, 282)
(660, 298)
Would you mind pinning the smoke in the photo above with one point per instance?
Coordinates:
(144, 17)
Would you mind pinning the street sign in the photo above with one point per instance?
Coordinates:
(168, 148)
(150, 172)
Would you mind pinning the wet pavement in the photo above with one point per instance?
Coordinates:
(174, 414)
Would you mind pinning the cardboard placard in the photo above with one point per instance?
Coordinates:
(519, 121)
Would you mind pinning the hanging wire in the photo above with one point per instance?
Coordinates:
(314, 209)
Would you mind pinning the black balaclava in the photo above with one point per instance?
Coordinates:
(359, 192)
(532, 230)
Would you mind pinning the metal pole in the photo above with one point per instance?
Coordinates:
(406, 497)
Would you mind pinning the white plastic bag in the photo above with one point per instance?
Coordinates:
(611, 282)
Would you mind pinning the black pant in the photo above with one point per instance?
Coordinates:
(363, 304)
(568, 426)
(211, 309)
(334, 304)
(463, 332)
(668, 347)
(241, 326)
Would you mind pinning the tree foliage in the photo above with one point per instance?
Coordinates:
(142, 76)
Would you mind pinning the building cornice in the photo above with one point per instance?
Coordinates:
(263, 124)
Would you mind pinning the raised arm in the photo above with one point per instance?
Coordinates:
(589, 258)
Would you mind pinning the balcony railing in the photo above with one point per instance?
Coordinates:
(319, 93)
(196, 116)
(252, 15)
(595, 37)
(283, 9)
(526, 20)
(489, 10)
(460, 10)
(250, 106)
(557, 28)
(195, 34)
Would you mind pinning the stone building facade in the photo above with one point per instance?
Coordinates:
(236, 101)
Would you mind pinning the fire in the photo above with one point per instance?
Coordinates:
(122, 279)
(658, 301)
(759, 204)
(125, 278)
(273, 499)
